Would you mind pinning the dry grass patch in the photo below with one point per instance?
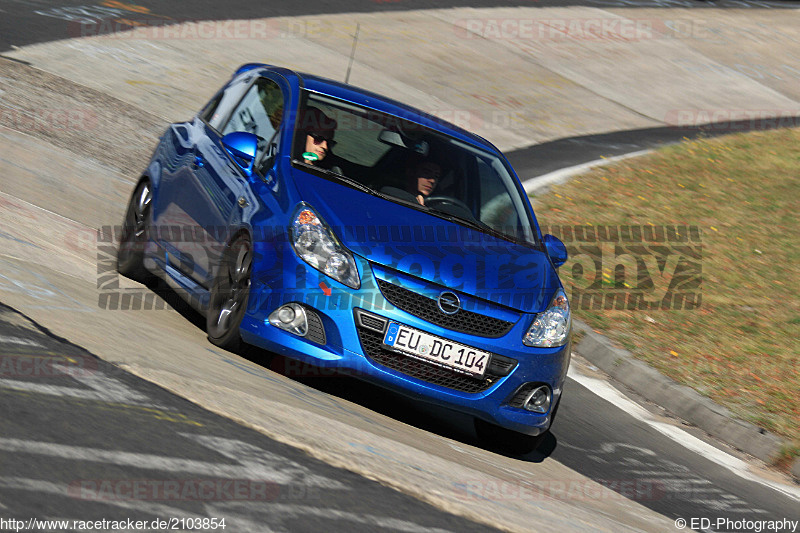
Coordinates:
(741, 347)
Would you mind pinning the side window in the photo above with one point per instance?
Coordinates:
(218, 110)
(260, 112)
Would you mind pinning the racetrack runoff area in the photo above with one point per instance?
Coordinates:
(493, 71)
(517, 76)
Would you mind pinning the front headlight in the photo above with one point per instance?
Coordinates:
(316, 244)
(550, 328)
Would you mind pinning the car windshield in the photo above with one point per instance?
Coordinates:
(408, 163)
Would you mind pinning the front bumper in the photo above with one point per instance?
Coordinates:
(353, 349)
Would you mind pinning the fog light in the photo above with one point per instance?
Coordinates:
(286, 314)
(290, 317)
(538, 400)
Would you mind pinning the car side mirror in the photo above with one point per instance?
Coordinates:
(268, 160)
(556, 250)
(242, 147)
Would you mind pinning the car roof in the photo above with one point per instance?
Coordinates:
(378, 102)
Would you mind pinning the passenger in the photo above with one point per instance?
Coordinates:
(320, 130)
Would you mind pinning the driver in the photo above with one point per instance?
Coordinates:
(422, 178)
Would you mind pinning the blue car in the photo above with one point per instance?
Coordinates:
(349, 231)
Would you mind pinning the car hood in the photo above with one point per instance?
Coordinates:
(430, 248)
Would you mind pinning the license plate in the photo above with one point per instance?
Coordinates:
(459, 357)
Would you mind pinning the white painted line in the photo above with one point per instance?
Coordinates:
(253, 456)
(734, 464)
(53, 390)
(560, 176)
(20, 341)
(100, 387)
(253, 463)
(111, 388)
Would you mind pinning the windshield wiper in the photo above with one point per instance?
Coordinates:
(478, 225)
(341, 177)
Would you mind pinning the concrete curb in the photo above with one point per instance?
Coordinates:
(539, 184)
(679, 399)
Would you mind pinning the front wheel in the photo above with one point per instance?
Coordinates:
(135, 227)
(506, 440)
(229, 294)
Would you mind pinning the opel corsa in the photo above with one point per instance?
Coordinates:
(347, 230)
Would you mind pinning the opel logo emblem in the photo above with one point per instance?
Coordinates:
(449, 303)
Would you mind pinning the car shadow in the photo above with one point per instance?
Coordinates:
(421, 415)
(174, 301)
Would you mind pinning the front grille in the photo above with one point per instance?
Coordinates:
(427, 309)
(372, 343)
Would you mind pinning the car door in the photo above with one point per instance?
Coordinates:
(218, 195)
(177, 233)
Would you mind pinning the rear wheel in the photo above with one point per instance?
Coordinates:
(229, 294)
(135, 228)
(506, 440)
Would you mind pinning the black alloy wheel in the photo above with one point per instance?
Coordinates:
(135, 232)
(229, 294)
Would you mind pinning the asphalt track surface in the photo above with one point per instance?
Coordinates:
(83, 440)
(603, 442)
(73, 452)
(24, 22)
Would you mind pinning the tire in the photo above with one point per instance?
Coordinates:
(230, 291)
(135, 233)
(506, 440)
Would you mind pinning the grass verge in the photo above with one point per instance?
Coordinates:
(738, 340)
